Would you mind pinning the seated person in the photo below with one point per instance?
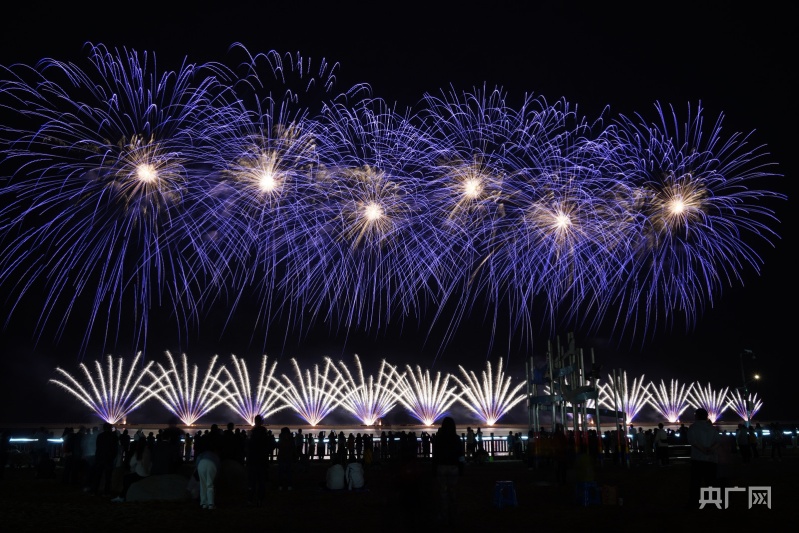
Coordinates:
(334, 478)
(354, 475)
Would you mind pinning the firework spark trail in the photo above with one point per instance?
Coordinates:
(249, 399)
(695, 202)
(207, 187)
(468, 134)
(264, 193)
(369, 399)
(425, 398)
(179, 391)
(373, 260)
(312, 397)
(631, 397)
(490, 398)
(713, 401)
(104, 188)
(669, 401)
(737, 403)
(111, 398)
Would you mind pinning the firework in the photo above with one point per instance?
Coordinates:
(366, 260)
(257, 187)
(250, 399)
(492, 397)
(713, 401)
(738, 404)
(111, 394)
(669, 401)
(312, 397)
(692, 198)
(263, 195)
(427, 399)
(107, 162)
(631, 397)
(178, 388)
(368, 398)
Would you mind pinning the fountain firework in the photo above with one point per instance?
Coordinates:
(427, 399)
(266, 399)
(739, 404)
(631, 398)
(712, 400)
(490, 398)
(369, 399)
(177, 388)
(669, 401)
(108, 394)
(312, 397)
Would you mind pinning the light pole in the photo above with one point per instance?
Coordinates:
(746, 386)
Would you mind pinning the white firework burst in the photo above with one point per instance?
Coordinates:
(712, 400)
(631, 397)
(313, 397)
(737, 403)
(179, 391)
(250, 399)
(669, 401)
(490, 398)
(108, 394)
(369, 399)
(427, 399)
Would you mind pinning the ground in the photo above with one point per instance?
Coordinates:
(647, 496)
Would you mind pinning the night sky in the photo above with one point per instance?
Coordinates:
(736, 62)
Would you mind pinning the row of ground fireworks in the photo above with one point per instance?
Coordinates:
(258, 189)
(114, 392)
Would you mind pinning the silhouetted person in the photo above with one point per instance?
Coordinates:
(448, 461)
(705, 442)
(208, 466)
(742, 440)
(257, 461)
(104, 459)
(140, 465)
(286, 457)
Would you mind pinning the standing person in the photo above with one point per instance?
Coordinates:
(320, 446)
(471, 444)
(257, 461)
(231, 445)
(124, 446)
(208, 466)
(188, 445)
(448, 461)
(742, 440)
(705, 442)
(88, 450)
(299, 443)
(140, 465)
(286, 457)
(173, 436)
(661, 445)
(4, 436)
(271, 445)
(777, 441)
(332, 439)
(106, 450)
(640, 442)
(752, 439)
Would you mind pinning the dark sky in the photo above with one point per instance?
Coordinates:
(737, 62)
